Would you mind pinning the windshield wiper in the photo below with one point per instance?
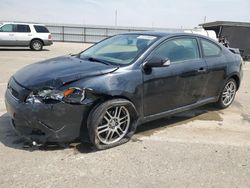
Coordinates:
(93, 59)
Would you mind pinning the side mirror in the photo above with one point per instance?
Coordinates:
(156, 61)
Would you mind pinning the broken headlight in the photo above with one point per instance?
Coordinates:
(71, 95)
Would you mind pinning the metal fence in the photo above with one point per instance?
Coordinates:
(92, 34)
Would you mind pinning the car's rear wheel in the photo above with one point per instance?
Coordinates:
(112, 123)
(228, 94)
(36, 45)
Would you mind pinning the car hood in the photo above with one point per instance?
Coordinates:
(56, 72)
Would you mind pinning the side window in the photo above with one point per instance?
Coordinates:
(41, 29)
(22, 28)
(209, 48)
(7, 28)
(179, 49)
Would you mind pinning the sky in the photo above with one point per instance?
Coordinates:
(132, 13)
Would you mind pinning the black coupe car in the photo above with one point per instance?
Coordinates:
(104, 92)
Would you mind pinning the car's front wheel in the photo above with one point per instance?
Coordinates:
(112, 123)
(228, 94)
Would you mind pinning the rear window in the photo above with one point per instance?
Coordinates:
(22, 28)
(210, 49)
(41, 29)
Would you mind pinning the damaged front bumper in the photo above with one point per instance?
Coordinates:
(42, 123)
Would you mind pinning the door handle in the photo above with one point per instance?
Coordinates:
(202, 70)
(11, 34)
(29, 35)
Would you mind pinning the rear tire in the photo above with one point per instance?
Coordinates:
(112, 123)
(227, 94)
(36, 45)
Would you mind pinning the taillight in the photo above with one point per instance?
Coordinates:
(49, 37)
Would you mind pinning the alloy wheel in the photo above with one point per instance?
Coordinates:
(228, 93)
(114, 125)
(37, 45)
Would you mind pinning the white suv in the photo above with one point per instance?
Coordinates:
(23, 34)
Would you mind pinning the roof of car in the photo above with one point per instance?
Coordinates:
(21, 23)
(165, 34)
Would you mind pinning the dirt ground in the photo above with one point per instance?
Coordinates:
(200, 148)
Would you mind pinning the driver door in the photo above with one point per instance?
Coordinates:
(179, 84)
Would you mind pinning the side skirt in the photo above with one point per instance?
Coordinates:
(180, 109)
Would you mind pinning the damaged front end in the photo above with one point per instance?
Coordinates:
(48, 115)
(47, 101)
(71, 95)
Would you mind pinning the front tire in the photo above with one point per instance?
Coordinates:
(36, 45)
(228, 94)
(112, 123)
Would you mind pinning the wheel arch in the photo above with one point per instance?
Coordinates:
(236, 77)
(36, 39)
(105, 98)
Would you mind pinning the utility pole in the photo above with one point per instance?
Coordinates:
(205, 19)
(116, 17)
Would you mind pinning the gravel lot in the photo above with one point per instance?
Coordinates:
(199, 148)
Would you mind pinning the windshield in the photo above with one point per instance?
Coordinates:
(120, 49)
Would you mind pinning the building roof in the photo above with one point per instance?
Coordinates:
(225, 23)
